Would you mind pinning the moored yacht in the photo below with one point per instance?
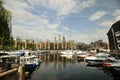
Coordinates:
(82, 54)
(107, 63)
(29, 62)
(67, 54)
(97, 59)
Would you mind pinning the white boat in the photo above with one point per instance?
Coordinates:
(68, 54)
(79, 52)
(37, 61)
(29, 62)
(63, 52)
(108, 62)
(97, 59)
(82, 54)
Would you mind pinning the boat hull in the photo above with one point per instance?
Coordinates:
(29, 66)
(94, 62)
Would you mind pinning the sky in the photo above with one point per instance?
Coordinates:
(79, 20)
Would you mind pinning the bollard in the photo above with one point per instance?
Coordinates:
(26, 74)
(21, 72)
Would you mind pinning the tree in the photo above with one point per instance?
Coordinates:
(5, 26)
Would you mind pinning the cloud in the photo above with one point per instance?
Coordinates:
(27, 25)
(63, 7)
(45, 19)
(106, 23)
(90, 36)
(65, 28)
(117, 14)
(97, 15)
(67, 7)
(34, 32)
(100, 34)
(85, 4)
(117, 18)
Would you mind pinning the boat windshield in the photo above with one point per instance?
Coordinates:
(81, 53)
(101, 56)
(31, 59)
(26, 59)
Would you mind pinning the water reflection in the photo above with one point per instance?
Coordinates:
(108, 71)
(30, 72)
(113, 73)
(59, 62)
(55, 67)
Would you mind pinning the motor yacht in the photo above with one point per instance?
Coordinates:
(97, 59)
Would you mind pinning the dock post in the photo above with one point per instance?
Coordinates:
(21, 72)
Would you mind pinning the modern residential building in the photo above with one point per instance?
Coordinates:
(55, 39)
(114, 38)
(59, 38)
(63, 38)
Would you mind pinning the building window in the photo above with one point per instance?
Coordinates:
(118, 39)
(118, 46)
(117, 33)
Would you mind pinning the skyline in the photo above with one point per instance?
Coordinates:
(81, 20)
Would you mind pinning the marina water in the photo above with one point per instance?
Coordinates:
(55, 67)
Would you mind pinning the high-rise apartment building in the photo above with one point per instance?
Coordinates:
(63, 38)
(59, 38)
(55, 39)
